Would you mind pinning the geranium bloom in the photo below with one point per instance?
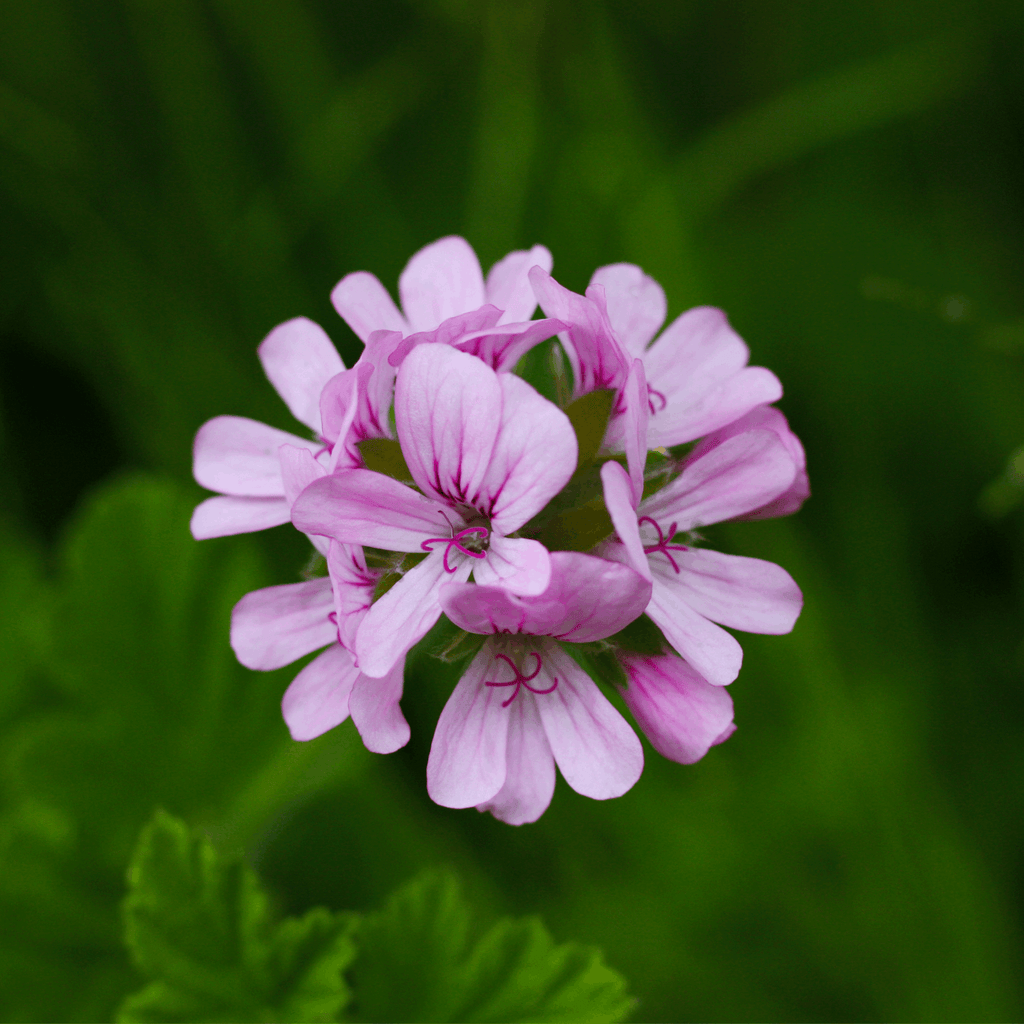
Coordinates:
(487, 453)
(275, 626)
(693, 587)
(498, 739)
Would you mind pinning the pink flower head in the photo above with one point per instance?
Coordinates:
(275, 626)
(487, 453)
(695, 588)
(238, 457)
(443, 280)
(498, 738)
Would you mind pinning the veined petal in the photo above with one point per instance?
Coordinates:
(742, 593)
(515, 563)
(375, 711)
(594, 747)
(533, 457)
(503, 346)
(741, 474)
(619, 500)
(529, 767)
(226, 516)
(681, 713)
(365, 305)
(359, 506)
(353, 586)
(633, 423)
(238, 456)
(404, 614)
(298, 470)
(466, 766)
(713, 652)
(274, 626)
(449, 332)
(299, 359)
(636, 304)
(441, 280)
(317, 699)
(508, 286)
(448, 411)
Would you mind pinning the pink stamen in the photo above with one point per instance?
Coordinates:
(663, 541)
(520, 679)
(651, 395)
(453, 541)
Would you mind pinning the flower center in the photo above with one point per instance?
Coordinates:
(520, 679)
(663, 541)
(472, 540)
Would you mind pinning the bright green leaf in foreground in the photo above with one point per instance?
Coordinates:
(201, 927)
(416, 962)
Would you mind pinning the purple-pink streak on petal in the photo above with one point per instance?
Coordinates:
(529, 767)
(299, 359)
(365, 305)
(317, 699)
(508, 286)
(226, 516)
(619, 500)
(680, 712)
(636, 304)
(595, 749)
(503, 346)
(440, 281)
(274, 626)
(450, 332)
(238, 456)
(515, 563)
(466, 766)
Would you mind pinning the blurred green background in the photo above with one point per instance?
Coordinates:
(844, 179)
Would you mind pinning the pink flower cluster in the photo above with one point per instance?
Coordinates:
(438, 481)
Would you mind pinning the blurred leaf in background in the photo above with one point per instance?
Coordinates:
(177, 179)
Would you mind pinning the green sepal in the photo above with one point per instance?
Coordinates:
(589, 418)
(201, 927)
(450, 644)
(599, 661)
(577, 529)
(383, 455)
(392, 576)
(641, 636)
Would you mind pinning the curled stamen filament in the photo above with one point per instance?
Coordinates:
(663, 541)
(520, 679)
(454, 541)
(651, 395)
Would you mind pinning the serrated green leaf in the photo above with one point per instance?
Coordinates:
(589, 418)
(201, 927)
(383, 455)
(514, 973)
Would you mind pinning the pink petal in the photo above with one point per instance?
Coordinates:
(502, 347)
(742, 593)
(515, 563)
(618, 499)
(298, 470)
(594, 747)
(636, 304)
(299, 359)
(274, 626)
(771, 419)
(359, 506)
(224, 516)
(681, 714)
(318, 698)
(365, 305)
(466, 766)
(633, 423)
(529, 767)
(235, 455)
(353, 588)
(448, 412)
(440, 281)
(339, 402)
(597, 359)
(533, 457)
(741, 474)
(481, 609)
(713, 652)
(403, 615)
(376, 395)
(508, 286)
(376, 713)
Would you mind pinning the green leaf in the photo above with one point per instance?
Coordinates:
(383, 455)
(201, 927)
(514, 973)
(589, 418)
